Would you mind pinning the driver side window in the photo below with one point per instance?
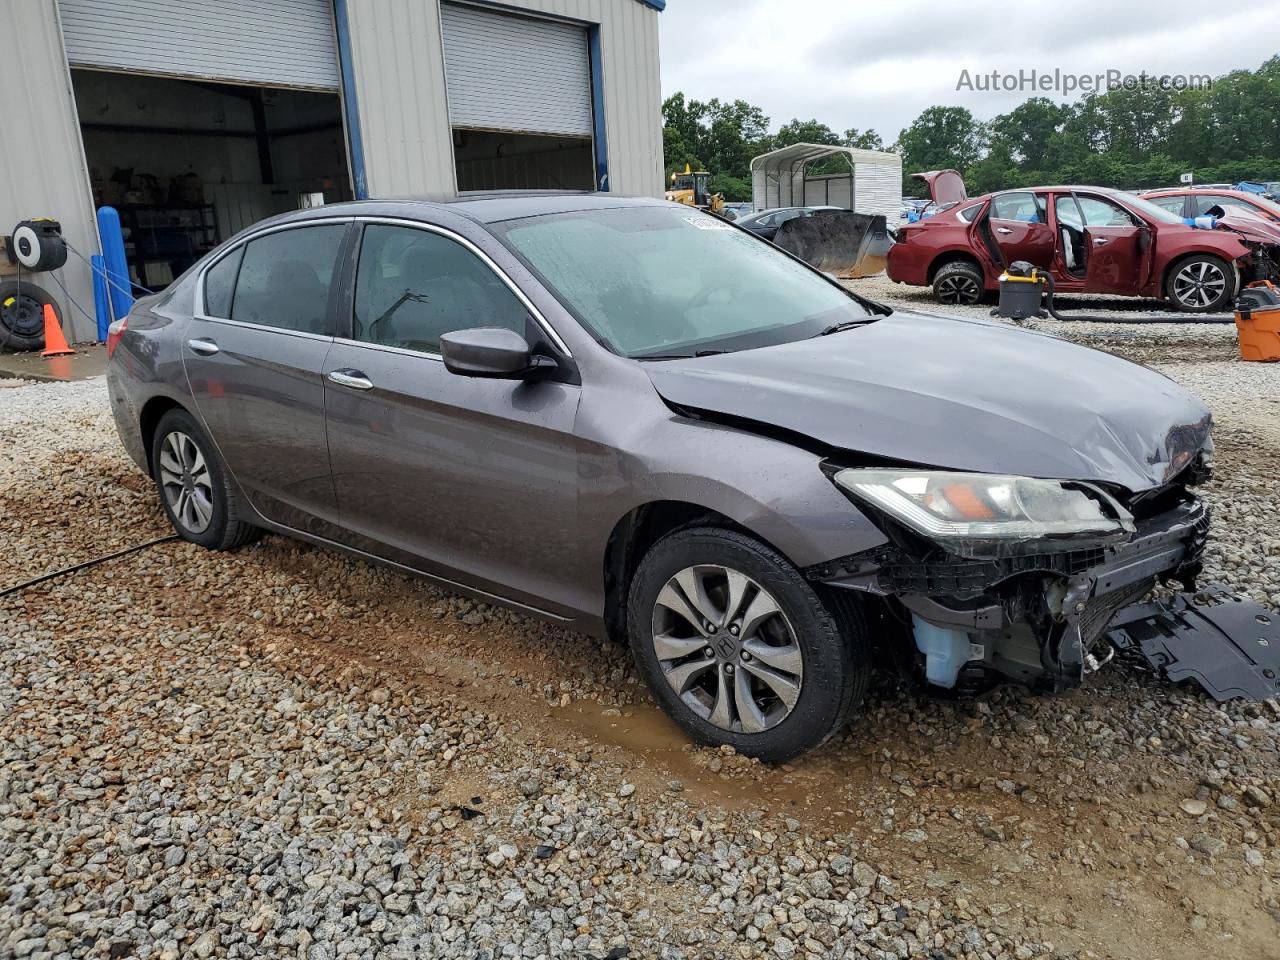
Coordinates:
(413, 286)
(1103, 213)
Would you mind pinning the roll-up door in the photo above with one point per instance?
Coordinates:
(286, 43)
(516, 73)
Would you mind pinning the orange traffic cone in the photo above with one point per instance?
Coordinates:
(55, 344)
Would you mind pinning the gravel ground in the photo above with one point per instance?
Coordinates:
(284, 752)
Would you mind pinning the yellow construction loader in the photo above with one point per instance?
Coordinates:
(690, 188)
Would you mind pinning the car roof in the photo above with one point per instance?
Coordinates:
(483, 208)
(1179, 191)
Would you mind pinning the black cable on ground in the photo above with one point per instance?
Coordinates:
(137, 547)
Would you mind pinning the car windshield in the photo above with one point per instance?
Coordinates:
(1151, 211)
(665, 282)
(1257, 200)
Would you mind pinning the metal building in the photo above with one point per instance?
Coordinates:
(871, 182)
(196, 118)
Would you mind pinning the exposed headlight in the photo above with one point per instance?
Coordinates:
(950, 507)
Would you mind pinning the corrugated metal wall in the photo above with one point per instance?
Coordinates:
(400, 85)
(287, 42)
(878, 188)
(42, 169)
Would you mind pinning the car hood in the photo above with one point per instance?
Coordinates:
(956, 394)
(1251, 226)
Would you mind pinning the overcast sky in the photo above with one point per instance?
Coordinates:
(854, 63)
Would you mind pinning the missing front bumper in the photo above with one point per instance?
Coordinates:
(1225, 642)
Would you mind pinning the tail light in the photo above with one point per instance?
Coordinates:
(114, 333)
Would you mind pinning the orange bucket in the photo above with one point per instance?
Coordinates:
(1258, 324)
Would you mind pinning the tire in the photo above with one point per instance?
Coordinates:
(22, 315)
(1201, 283)
(959, 283)
(184, 461)
(797, 642)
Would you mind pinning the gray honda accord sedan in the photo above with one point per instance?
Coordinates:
(643, 422)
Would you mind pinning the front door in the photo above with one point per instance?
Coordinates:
(254, 358)
(1116, 247)
(473, 480)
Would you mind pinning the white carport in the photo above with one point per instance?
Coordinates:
(873, 183)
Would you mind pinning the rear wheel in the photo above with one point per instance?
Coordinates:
(738, 648)
(959, 283)
(1201, 284)
(194, 486)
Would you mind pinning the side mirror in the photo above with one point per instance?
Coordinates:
(495, 352)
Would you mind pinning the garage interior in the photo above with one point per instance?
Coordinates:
(190, 162)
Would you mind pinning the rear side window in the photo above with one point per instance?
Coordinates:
(413, 286)
(1172, 204)
(285, 279)
(220, 284)
(968, 213)
(1026, 207)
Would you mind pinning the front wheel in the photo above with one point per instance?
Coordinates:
(738, 648)
(1201, 284)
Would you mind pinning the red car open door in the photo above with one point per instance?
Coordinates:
(1117, 247)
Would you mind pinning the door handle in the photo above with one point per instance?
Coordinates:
(350, 378)
(1099, 241)
(1003, 230)
(203, 345)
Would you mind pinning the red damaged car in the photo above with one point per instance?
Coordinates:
(1092, 239)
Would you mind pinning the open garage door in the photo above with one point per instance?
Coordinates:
(520, 101)
(286, 43)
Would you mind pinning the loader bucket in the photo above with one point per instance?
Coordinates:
(838, 242)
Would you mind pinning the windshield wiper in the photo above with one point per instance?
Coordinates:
(847, 325)
(680, 356)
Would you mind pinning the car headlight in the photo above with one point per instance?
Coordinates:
(950, 507)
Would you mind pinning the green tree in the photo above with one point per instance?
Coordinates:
(1024, 133)
(940, 138)
(862, 139)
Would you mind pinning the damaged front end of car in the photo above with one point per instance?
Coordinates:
(1001, 578)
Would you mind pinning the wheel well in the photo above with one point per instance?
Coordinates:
(152, 411)
(953, 256)
(631, 539)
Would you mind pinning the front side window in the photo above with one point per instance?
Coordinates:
(286, 276)
(659, 281)
(1103, 213)
(220, 284)
(413, 286)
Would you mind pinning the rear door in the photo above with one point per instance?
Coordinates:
(470, 479)
(1019, 224)
(254, 357)
(1117, 246)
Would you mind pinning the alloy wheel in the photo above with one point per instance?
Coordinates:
(727, 649)
(185, 480)
(1199, 284)
(960, 290)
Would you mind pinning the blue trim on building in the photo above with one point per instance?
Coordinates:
(599, 131)
(359, 180)
(658, 5)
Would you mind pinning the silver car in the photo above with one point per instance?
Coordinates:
(644, 422)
